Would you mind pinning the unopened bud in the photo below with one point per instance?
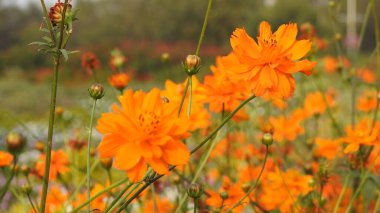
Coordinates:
(39, 146)
(338, 36)
(224, 195)
(267, 139)
(245, 187)
(15, 142)
(106, 163)
(59, 111)
(26, 189)
(25, 169)
(96, 91)
(192, 64)
(165, 57)
(195, 190)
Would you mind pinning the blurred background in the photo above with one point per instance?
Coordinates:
(143, 31)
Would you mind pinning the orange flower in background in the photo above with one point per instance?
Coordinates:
(287, 128)
(97, 203)
(332, 64)
(199, 117)
(6, 159)
(275, 193)
(268, 64)
(221, 91)
(144, 130)
(90, 62)
(55, 200)
(315, 103)
(235, 193)
(367, 75)
(162, 205)
(119, 81)
(59, 164)
(327, 148)
(362, 134)
(367, 102)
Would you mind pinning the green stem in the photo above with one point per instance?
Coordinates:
(52, 112)
(47, 20)
(204, 27)
(100, 193)
(32, 204)
(377, 205)
(88, 174)
(125, 205)
(256, 182)
(153, 198)
(340, 198)
(195, 205)
(183, 97)
(110, 207)
(190, 95)
(9, 180)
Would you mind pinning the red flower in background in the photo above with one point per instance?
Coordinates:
(90, 62)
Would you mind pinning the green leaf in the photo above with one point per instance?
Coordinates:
(44, 30)
(39, 43)
(48, 39)
(65, 54)
(74, 51)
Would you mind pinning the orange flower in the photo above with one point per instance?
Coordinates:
(332, 64)
(90, 62)
(199, 117)
(367, 102)
(58, 165)
(6, 159)
(235, 193)
(55, 200)
(328, 149)
(315, 104)
(222, 91)
(144, 130)
(362, 134)
(120, 80)
(97, 203)
(275, 193)
(287, 127)
(162, 205)
(268, 65)
(367, 75)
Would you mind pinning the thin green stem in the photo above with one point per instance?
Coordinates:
(52, 111)
(203, 27)
(190, 95)
(195, 205)
(183, 97)
(377, 205)
(340, 198)
(110, 207)
(32, 204)
(88, 174)
(256, 182)
(153, 198)
(125, 205)
(100, 193)
(4, 190)
(47, 20)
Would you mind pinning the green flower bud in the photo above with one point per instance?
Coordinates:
(15, 142)
(267, 139)
(192, 64)
(96, 91)
(195, 190)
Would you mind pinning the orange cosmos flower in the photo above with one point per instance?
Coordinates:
(58, 165)
(275, 193)
(315, 103)
(199, 117)
(97, 203)
(235, 193)
(287, 128)
(120, 80)
(368, 101)
(327, 148)
(222, 91)
(162, 205)
(332, 64)
(55, 200)
(5, 159)
(268, 64)
(367, 75)
(144, 130)
(362, 134)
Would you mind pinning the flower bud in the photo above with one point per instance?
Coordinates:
(192, 64)
(224, 195)
(106, 163)
(165, 57)
(92, 152)
(245, 187)
(338, 36)
(267, 139)
(195, 190)
(15, 142)
(96, 91)
(59, 111)
(55, 14)
(39, 146)
(25, 170)
(25, 188)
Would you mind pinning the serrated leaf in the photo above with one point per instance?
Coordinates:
(65, 54)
